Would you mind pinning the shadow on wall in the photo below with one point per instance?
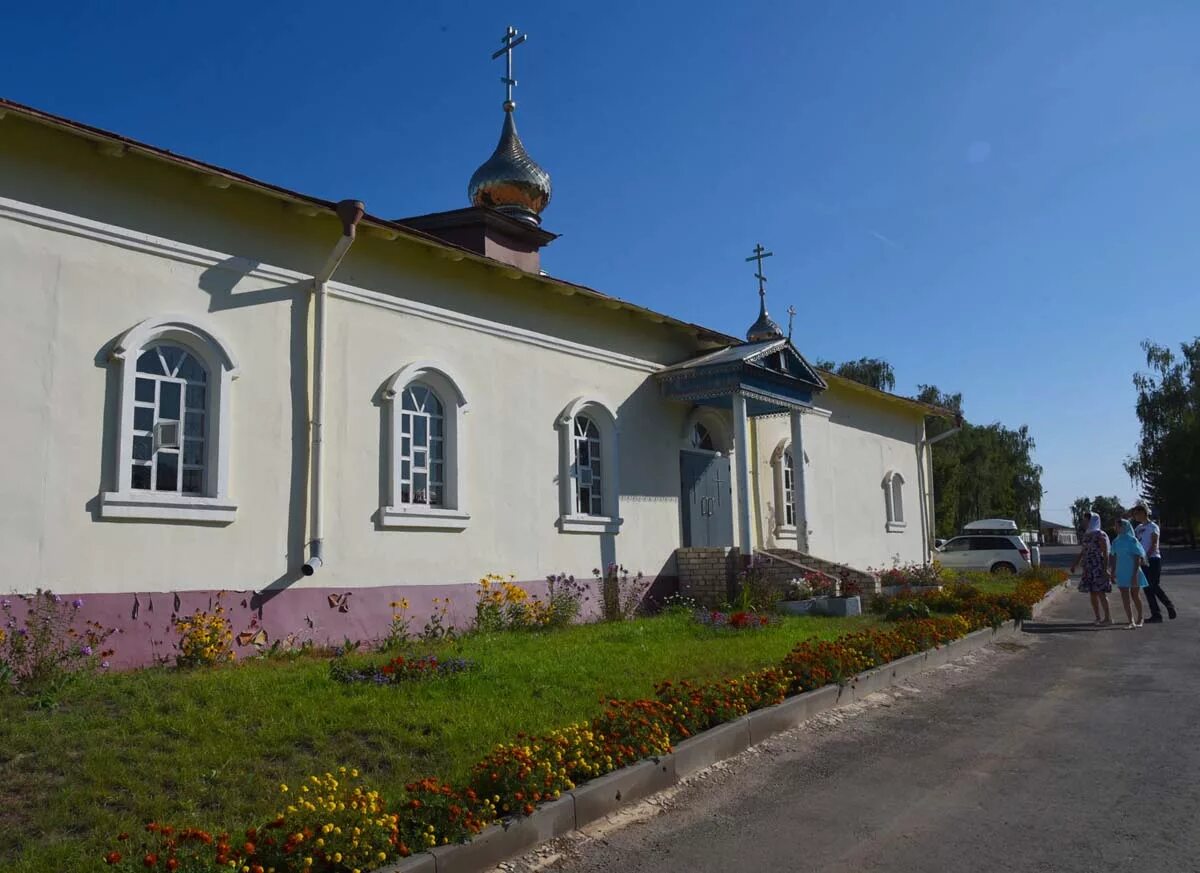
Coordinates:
(220, 282)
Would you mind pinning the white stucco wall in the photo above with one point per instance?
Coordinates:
(851, 445)
(71, 284)
(91, 246)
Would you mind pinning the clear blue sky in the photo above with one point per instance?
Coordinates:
(999, 198)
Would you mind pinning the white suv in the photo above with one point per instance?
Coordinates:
(996, 553)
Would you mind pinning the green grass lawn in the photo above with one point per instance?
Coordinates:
(993, 583)
(208, 747)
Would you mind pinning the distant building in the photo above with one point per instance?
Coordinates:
(1055, 534)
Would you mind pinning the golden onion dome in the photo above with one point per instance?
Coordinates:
(510, 181)
(765, 328)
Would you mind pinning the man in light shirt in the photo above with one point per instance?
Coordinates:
(1148, 533)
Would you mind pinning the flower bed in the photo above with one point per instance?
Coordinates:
(741, 619)
(399, 669)
(514, 777)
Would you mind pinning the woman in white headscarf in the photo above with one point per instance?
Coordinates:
(1096, 580)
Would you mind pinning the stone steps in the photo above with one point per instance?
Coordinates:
(785, 561)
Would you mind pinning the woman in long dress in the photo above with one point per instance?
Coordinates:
(1096, 579)
(1127, 558)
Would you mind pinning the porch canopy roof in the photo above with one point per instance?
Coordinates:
(772, 376)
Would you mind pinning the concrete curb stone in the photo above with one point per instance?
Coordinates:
(599, 797)
(794, 711)
(723, 741)
(422, 862)
(496, 844)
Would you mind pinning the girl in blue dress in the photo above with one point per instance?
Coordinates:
(1128, 557)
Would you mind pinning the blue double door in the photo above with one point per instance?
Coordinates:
(706, 499)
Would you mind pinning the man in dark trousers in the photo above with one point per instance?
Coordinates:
(1148, 534)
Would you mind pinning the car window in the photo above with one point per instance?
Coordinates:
(958, 544)
(989, 544)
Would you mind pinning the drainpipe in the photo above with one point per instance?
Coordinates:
(350, 212)
(927, 485)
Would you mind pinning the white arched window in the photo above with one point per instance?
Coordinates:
(424, 407)
(784, 474)
(172, 451)
(588, 480)
(893, 492)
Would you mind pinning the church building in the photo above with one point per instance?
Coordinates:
(213, 384)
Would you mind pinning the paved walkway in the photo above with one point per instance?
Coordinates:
(1077, 749)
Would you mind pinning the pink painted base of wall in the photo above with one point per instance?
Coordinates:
(326, 616)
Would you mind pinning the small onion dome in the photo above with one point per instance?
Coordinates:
(764, 329)
(510, 181)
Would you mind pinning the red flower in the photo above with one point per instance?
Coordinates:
(112, 858)
(151, 860)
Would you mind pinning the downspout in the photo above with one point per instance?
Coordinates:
(350, 212)
(927, 486)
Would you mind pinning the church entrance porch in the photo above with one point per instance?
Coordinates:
(706, 499)
(737, 383)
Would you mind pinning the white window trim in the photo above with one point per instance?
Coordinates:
(893, 525)
(201, 339)
(570, 521)
(453, 515)
(783, 530)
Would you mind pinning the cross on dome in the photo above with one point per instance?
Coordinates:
(511, 41)
(763, 329)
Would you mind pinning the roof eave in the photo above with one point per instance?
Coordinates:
(886, 396)
(384, 228)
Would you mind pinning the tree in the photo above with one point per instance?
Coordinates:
(1166, 463)
(874, 372)
(984, 471)
(1108, 508)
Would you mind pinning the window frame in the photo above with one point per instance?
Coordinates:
(201, 340)
(893, 491)
(452, 514)
(785, 529)
(570, 519)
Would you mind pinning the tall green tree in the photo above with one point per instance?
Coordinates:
(984, 471)
(1166, 463)
(1108, 508)
(875, 372)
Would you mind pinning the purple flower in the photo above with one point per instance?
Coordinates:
(6, 603)
(22, 632)
(77, 602)
(104, 665)
(87, 651)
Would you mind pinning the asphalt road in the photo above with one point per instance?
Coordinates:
(1075, 749)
